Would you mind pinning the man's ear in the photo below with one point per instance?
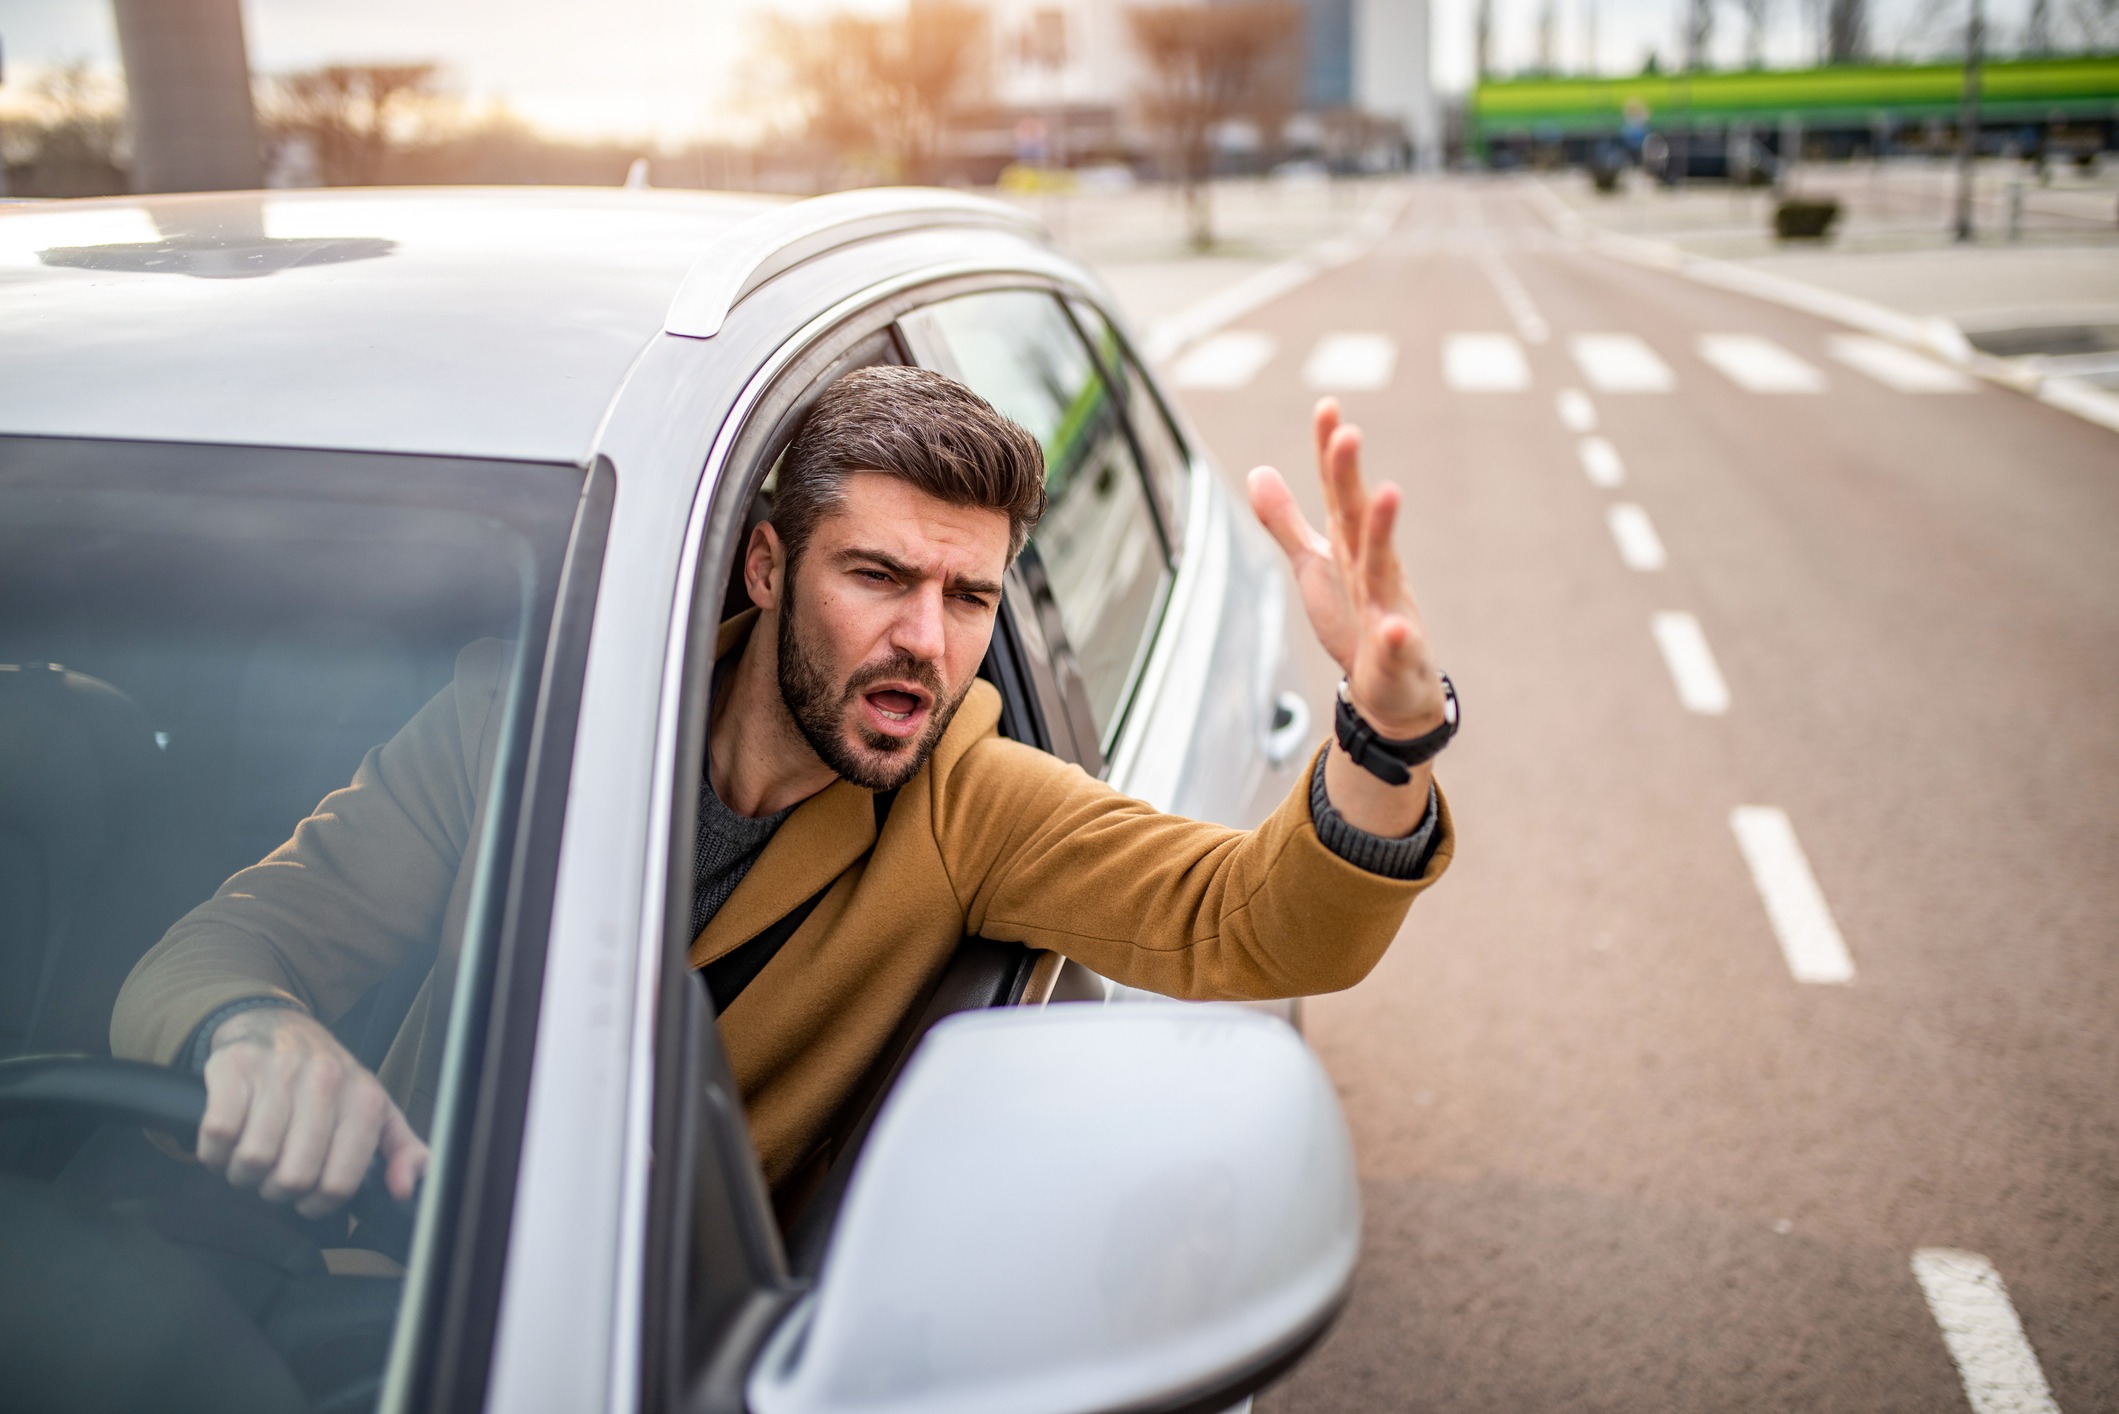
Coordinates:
(765, 565)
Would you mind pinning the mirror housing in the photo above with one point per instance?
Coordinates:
(1078, 1209)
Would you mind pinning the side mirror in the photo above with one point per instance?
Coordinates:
(1078, 1209)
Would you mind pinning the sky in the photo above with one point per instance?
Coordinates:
(668, 70)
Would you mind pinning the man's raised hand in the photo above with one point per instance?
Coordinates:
(1353, 585)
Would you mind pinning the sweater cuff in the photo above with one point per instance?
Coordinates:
(1403, 858)
(199, 1049)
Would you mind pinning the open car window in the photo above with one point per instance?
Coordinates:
(263, 724)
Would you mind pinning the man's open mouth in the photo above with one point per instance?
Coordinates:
(895, 711)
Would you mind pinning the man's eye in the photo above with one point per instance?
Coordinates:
(974, 600)
(875, 576)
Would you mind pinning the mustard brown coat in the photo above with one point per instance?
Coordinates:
(992, 838)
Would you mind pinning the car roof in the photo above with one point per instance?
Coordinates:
(485, 322)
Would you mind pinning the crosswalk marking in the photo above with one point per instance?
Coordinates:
(1758, 365)
(1351, 362)
(1484, 363)
(1224, 361)
(1895, 367)
(1621, 363)
(1795, 905)
(1691, 663)
(1577, 412)
(1639, 546)
(1600, 462)
(1986, 1340)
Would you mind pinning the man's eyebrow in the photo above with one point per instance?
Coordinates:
(898, 567)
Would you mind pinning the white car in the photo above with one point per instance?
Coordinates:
(267, 464)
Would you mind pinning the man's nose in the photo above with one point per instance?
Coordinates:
(918, 630)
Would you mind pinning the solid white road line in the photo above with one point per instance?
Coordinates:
(1639, 546)
(1484, 363)
(1691, 663)
(1600, 462)
(1529, 323)
(1351, 362)
(1225, 361)
(1577, 412)
(1795, 906)
(1759, 365)
(1979, 1325)
(1621, 363)
(1896, 367)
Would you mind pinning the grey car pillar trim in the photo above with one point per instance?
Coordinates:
(764, 246)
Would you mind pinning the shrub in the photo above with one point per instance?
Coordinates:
(1798, 220)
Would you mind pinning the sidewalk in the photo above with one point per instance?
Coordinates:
(2040, 312)
(1136, 239)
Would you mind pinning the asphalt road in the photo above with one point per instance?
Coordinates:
(1615, 1156)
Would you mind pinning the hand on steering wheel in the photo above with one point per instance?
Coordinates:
(291, 1113)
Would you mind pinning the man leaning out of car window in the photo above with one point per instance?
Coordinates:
(854, 768)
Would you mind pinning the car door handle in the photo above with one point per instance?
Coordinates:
(1290, 730)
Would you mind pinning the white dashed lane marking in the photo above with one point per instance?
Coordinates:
(1795, 906)
(1514, 298)
(1577, 412)
(1224, 361)
(1484, 363)
(1351, 363)
(1979, 1325)
(1639, 546)
(1621, 363)
(1895, 367)
(1758, 365)
(1600, 462)
(1691, 663)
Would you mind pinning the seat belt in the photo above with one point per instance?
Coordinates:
(726, 976)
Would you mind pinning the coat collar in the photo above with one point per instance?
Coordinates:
(817, 843)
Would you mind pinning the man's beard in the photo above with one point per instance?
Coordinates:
(819, 709)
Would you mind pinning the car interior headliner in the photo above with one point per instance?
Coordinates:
(489, 322)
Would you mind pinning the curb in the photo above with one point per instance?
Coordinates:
(1932, 335)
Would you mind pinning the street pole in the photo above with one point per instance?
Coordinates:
(1975, 38)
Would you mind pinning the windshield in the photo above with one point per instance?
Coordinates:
(259, 714)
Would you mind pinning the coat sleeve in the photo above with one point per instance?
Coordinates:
(364, 881)
(1043, 854)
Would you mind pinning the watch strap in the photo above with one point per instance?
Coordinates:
(1389, 759)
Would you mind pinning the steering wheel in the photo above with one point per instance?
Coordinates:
(156, 1097)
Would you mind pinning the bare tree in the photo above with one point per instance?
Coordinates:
(1699, 32)
(2038, 29)
(352, 116)
(1209, 65)
(2094, 25)
(879, 86)
(70, 138)
(1846, 31)
(1758, 14)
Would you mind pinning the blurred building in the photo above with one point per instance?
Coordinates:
(1066, 76)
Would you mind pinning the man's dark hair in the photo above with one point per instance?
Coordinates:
(913, 424)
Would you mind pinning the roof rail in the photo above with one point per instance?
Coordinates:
(744, 258)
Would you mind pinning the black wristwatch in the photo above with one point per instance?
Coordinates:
(1388, 760)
